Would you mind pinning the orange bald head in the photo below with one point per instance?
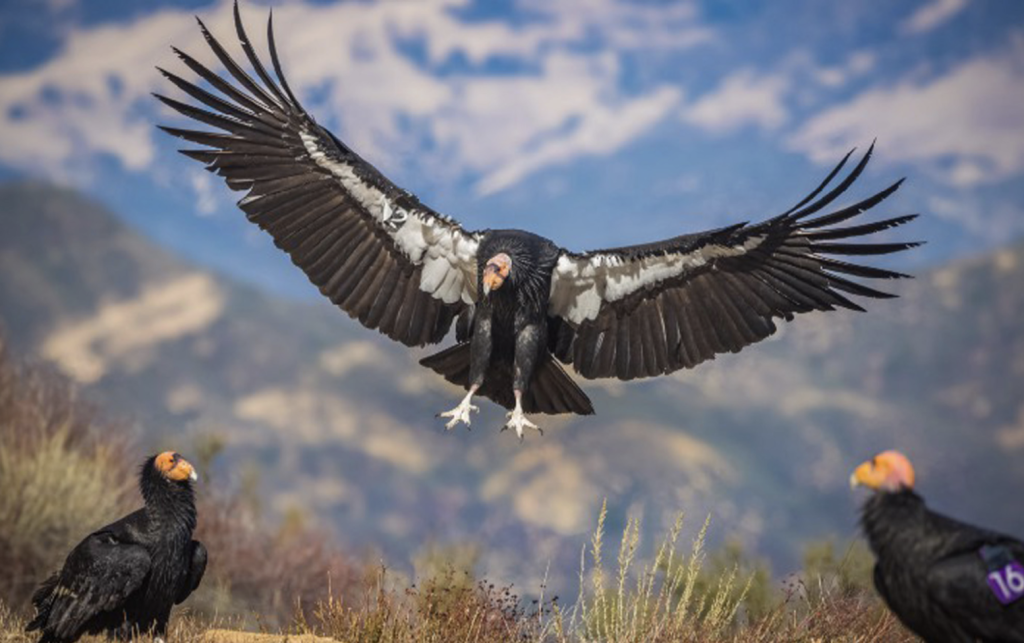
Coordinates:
(174, 467)
(887, 471)
(496, 272)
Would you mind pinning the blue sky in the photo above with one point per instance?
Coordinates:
(594, 122)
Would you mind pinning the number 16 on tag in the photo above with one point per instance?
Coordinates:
(1007, 583)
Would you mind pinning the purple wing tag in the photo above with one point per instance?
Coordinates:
(1005, 575)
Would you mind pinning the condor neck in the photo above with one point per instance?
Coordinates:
(169, 505)
(888, 519)
(532, 261)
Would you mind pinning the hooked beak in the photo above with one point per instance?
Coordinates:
(863, 476)
(193, 476)
(888, 471)
(492, 279)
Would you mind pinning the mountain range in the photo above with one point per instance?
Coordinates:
(336, 421)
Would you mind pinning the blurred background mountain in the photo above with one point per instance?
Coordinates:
(327, 420)
(593, 122)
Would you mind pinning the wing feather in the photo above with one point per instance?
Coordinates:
(955, 586)
(359, 238)
(828, 179)
(99, 575)
(654, 308)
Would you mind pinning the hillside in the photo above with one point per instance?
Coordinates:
(338, 421)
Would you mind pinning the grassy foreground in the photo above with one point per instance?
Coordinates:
(669, 599)
(274, 582)
(661, 601)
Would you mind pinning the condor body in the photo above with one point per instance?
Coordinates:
(525, 306)
(930, 569)
(124, 578)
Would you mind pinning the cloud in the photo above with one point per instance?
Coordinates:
(743, 98)
(631, 25)
(767, 98)
(350, 64)
(206, 195)
(57, 6)
(596, 130)
(966, 125)
(858, 64)
(932, 15)
(56, 119)
(991, 219)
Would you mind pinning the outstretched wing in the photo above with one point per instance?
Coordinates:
(370, 247)
(650, 309)
(98, 576)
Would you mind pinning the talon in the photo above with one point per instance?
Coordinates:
(460, 414)
(517, 420)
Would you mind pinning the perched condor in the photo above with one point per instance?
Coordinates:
(124, 578)
(523, 303)
(946, 580)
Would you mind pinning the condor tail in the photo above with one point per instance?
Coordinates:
(552, 391)
(42, 600)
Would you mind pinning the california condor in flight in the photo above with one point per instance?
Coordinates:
(946, 580)
(522, 305)
(123, 579)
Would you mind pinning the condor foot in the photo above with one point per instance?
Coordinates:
(517, 420)
(459, 414)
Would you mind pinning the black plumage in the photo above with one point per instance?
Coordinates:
(400, 267)
(931, 570)
(504, 346)
(124, 578)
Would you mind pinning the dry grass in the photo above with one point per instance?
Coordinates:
(62, 472)
(657, 602)
(661, 601)
(264, 575)
(184, 628)
(65, 470)
(443, 609)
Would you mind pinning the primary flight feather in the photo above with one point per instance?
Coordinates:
(523, 305)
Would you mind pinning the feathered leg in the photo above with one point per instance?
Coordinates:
(479, 360)
(530, 339)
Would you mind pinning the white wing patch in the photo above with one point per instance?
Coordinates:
(580, 285)
(448, 255)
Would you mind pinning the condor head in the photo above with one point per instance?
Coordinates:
(174, 467)
(889, 471)
(496, 272)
